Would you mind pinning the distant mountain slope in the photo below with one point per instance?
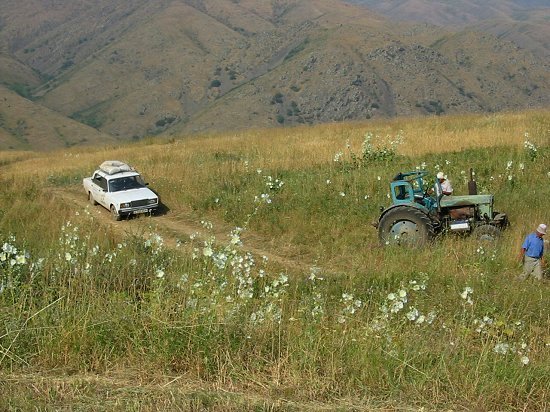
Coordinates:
(344, 80)
(26, 125)
(51, 36)
(17, 76)
(524, 22)
(531, 30)
(137, 68)
(453, 13)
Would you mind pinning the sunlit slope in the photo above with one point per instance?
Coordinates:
(25, 125)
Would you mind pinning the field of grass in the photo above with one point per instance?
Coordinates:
(321, 318)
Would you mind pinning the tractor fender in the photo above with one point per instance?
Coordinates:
(409, 205)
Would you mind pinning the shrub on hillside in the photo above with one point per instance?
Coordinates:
(215, 83)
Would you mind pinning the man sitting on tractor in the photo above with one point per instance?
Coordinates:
(446, 187)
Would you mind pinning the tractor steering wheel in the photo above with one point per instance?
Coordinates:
(426, 194)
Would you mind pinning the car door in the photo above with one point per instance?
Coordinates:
(100, 189)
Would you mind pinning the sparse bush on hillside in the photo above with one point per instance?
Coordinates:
(22, 90)
(434, 106)
(165, 120)
(277, 98)
(91, 118)
(215, 83)
(296, 50)
(66, 64)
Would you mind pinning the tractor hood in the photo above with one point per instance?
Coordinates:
(471, 200)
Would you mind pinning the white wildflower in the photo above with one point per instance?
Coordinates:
(525, 360)
(412, 314)
(501, 348)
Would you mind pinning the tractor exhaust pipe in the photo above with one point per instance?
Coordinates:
(472, 185)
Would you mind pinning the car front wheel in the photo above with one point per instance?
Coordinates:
(116, 216)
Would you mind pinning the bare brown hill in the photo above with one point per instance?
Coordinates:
(25, 125)
(181, 66)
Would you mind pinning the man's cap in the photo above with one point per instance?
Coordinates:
(542, 229)
(441, 175)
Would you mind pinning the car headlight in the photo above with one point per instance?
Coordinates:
(124, 205)
(152, 201)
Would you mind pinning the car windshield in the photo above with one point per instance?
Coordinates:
(125, 183)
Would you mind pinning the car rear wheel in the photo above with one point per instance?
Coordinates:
(91, 199)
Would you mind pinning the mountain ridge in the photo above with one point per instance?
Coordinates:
(141, 69)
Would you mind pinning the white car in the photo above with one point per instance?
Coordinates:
(120, 189)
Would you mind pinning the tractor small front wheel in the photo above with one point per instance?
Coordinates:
(487, 233)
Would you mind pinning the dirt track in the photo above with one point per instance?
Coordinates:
(177, 227)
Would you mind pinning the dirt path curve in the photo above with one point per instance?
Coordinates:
(177, 227)
(155, 391)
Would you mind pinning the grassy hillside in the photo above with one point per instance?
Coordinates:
(262, 285)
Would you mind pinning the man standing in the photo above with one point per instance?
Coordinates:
(446, 187)
(532, 252)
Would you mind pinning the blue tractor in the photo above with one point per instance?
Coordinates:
(420, 211)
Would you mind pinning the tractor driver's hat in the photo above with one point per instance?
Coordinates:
(542, 229)
(441, 175)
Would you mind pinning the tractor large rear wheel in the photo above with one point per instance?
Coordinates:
(405, 226)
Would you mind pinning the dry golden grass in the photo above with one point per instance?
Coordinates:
(308, 223)
(186, 171)
(304, 146)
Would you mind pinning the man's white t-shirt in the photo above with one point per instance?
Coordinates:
(446, 187)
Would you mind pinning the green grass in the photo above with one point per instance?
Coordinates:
(207, 326)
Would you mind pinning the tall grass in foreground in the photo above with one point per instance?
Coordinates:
(443, 327)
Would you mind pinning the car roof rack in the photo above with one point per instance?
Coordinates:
(112, 167)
